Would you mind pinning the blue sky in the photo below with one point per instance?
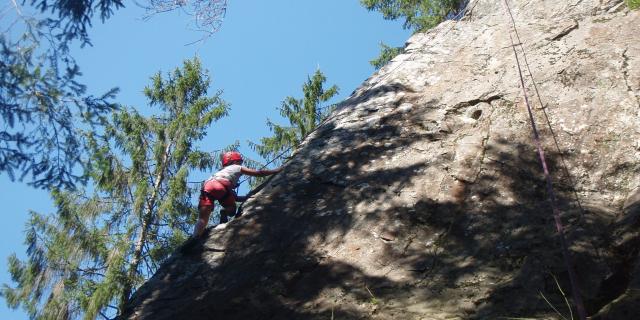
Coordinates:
(264, 52)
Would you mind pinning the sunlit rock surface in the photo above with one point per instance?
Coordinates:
(422, 196)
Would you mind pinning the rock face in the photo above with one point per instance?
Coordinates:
(422, 196)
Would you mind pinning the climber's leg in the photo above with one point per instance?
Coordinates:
(211, 190)
(224, 216)
(228, 206)
(204, 211)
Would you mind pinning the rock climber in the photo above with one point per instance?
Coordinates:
(220, 187)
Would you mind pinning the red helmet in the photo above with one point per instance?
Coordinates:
(231, 156)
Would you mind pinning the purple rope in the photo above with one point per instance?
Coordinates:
(552, 196)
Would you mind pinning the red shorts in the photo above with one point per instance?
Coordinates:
(218, 190)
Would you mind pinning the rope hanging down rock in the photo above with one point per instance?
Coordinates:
(550, 193)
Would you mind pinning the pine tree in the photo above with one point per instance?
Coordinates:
(304, 115)
(42, 102)
(87, 259)
(41, 106)
(419, 15)
(387, 53)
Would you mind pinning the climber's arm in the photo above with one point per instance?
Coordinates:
(259, 173)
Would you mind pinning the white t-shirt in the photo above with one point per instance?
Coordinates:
(231, 172)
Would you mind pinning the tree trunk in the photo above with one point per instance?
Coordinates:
(147, 216)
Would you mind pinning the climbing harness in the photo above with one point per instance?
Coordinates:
(227, 192)
(209, 196)
(551, 194)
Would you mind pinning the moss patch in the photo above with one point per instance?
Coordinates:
(633, 4)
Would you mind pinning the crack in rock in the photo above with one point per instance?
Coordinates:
(473, 102)
(625, 72)
(565, 31)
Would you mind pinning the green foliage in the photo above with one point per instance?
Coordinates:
(85, 260)
(53, 282)
(419, 15)
(387, 53)
(41, 101)
(304, 115)
(633, 4)
(41, 107)
(73, 18)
